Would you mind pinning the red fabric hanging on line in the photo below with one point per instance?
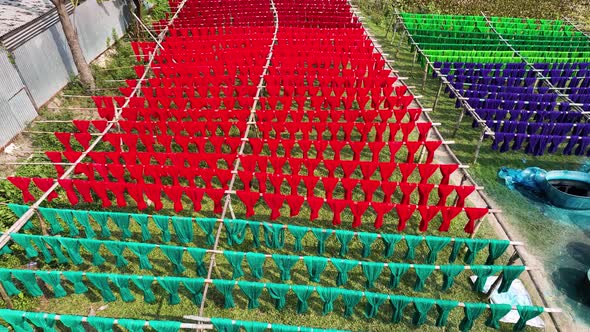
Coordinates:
(404, 213)
(249, 199)
(427, 213)
(473, 214)
(337, 206)
(381, 209)
(23, 185)
(44, 185)
(358, 209)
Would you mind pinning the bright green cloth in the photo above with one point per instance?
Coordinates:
(315, 266)
(256, 264)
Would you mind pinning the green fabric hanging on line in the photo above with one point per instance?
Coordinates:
(274, 235)
(6, 281)
(343, 266)
(509, 274)
(16, 319)
(449, 273)
(68, 217)
(50, 216)
(72, 248)
(435, 244)
(444, 307)
(235, 259)
(25, 242)
(225, 287)
(315, 267)
(367, 240)
(28, 279)
(422, 307)
(164, 226)
(194, 286)
(397, 272)
(526, 313)
(475, 246)
(143, 221)
(122, 221)
(183, 227)
(145, 285)
(389, 241)
(45, 322)
(472, 312)
(371, 271)
(141, 251)
(350, 298)
(74, 323)
(170, 285)
(208, 226)
(93, 247)
(122, 282)
(165, 326)
(76, 279)
(422, 273)
(344, 237)
(252, 291)
(398, 304)
(198, 255)
(101, 283)
(101, 324)
(254, 326)
(255, 230)
(321, 235)
(496, 248)
(82, 217)
(235, 231)
(456, 249)
(497, 311)
(374, 301)
(175, 255)
(131, 325)
(298, 233)
(19, 210)
(117, 249)
(285, 264)
(412, 241)
(328, 296)
(482, 273)
(53, 280)
(278, 293)
(102, 219)
(6, 250)
(225, 325)
(303, 293)
(256, 264)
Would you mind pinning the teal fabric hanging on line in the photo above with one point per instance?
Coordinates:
(315, 267)
(122, 221)
(444, 307)
(141, 251)
(101, 324)
(474, 246)
(235, 231)
(170, 285)
(509, 274)
(456, 249)
(195, 287)
(225, 287)
(165, 326)
(208, 226)
(73, 249)
(374, 301)
(343, 266)
(74, 323)
(482, 273)
(274, 236)
(143, 221)
(497, 311)
(367, 240)
(132, 325)
(321, 235)
(53, 280)
(255, 230)
(122, 282)
(53, 242)
(449, 273)
(163, 224)
(235, 259)
(298, 233)
(350, 298)
(68, 217)
(371, 271)
(256, 262)
(254, 326)
(435, 244)
(101, 283)
(16, 319)
(145, 285)
(398, 304)
(422, 307)
(6, 281)
(82, 217)
(45, 322)
(389, 241)
(344, 237)
(412, 241)
(117, 249)
(285, 264)
(25, 242)
(198, 255)
(225, 325)
(93, 247)
(6, 250)
(526, 313)
(496, 248)
(51, 218)
(183, 227)
(252, 291)
(174, 254)
(278, 293)
(303, 293)
(102, 219)
(328, 296)
(76, 279)
(422, 273)
(397, 272)
(472, 312)
(28, 279)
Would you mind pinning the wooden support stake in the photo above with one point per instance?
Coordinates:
(437, 96)
(456, 129)
(42, 223)
(5, 297)
(424, 77)
(399, 45)
(478, 147)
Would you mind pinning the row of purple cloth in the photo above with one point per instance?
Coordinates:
(529, 116)
(536, 128)
(537, 145)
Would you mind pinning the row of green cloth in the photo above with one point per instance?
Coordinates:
(439, 38)
(253, 290)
